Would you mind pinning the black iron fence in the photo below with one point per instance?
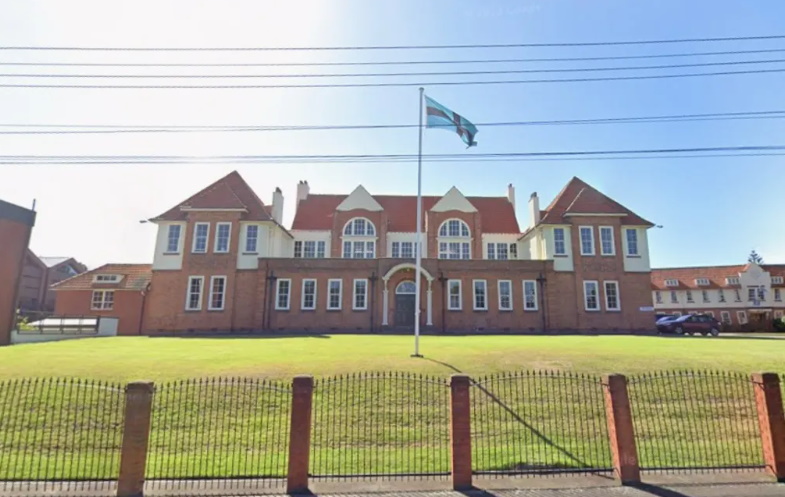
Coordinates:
(227, 432)
(695, 420)
(59, 434)
(382, 425)
(539, 423)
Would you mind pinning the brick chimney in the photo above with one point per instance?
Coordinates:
(511, 194)
(277, 211)
(534, 209)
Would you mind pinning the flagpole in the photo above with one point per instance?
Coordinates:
(418, 240)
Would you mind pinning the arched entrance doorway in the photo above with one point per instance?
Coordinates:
(404, 304)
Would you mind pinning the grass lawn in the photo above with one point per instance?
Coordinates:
(158, 359)
(378, 423)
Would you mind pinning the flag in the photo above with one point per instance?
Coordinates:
(439, 116)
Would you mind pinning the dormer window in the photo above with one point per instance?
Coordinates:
(732, 280)
(776, 280)
(359, 239)
(672, 283)
(107, 278)
(702, 281)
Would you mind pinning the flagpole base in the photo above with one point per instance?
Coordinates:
(416, 355)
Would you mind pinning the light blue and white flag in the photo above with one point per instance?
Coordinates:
(439, 116)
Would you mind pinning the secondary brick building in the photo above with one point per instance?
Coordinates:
(223, 261)
(16, 224)
(38, 275)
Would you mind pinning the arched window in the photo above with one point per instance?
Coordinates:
(452, 240)
(406, 288)
(359, 239)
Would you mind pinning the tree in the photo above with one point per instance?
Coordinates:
(754, 257)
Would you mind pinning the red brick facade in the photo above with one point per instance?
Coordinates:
(16, 223)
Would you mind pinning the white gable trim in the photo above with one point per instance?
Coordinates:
(453, 200)
(359, 199)
(593, 214)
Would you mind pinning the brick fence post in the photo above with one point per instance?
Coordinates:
(300, 435)
(620, 429)
(136, 435)
(460, 432)
(768, 398)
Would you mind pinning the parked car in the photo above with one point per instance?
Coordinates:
(691, 324)
(662, 318)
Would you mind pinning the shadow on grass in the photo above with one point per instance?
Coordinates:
(230, 336)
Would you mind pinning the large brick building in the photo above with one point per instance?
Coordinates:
(16, 224)
(223, 261)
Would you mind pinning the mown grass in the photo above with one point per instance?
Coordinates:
(374, 424)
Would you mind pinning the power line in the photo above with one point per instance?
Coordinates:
(397, 84)
(398, 74)
(114, 128)
(387, 63)
(398, 47)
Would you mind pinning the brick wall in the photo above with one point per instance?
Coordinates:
(16, 224)
(127, 307)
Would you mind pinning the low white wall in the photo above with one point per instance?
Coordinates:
(107, 327)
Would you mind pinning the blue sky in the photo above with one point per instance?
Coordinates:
(713, 210)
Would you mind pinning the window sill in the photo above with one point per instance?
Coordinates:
(592, 310)
(307, 309)
(198, 253)
(633, 256)
(588, 255)
(171, 253)
(609, 255)
(282, 309)
(360, 310)
(250, 253)
(563, 256)
(531, 310)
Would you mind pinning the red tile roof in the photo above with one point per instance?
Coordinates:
(577, 197)
(316, 212)
(715, 274)
(135, 277)
(229, 192)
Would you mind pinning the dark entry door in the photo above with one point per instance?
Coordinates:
(404, 310)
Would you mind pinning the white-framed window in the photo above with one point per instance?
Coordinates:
(752, 294)
(530, 295)
(453, 244)
(455, 299)
(725, 317)
(732, 280)
(778, 314)
(722, 295)
(702, 281)
(402, 250)
(454, 228)
(777, 295)
(671, 282)
(359, 249)
(173, 239)
(454, 250)
(689, 297)
(591, 295)
(505, 295)
(217, 298)
(359, 226)
(251, 239)
(658, 297)
(632, 241)
(309, 249)
(103, 300)
(742, 317)
(480, 295)
(502, 251)
(223, 233)
(737, 295)
(612, 298)
(283, 293)
(360, 301)
(334, 293)
(559, 242)
(776, 280)
(587, 240)
(201, 234)
(308, 298)
(705, 295)
(193, 297)
(107, 278)
(674, 297)
(607, 243)
(762, 294)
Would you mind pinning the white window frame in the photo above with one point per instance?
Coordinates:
(777, 295)
(228, 238)
(723, 315)
(210, 306)
(351, 223)
(705, 296)
(689, 297)
(364, 307)
(563, 242)
(278, 306)
(742, 317)
(658, 297)
(702, 281)
(107, 278)
(732, 280)
(189, 293)
(445, 226)
(340, 294)
(634, 243)
(607, 229)
(596, 285)
(526, 306)
(169, 239)
(196, 237)
(445, 252)
(721, 294)
(737, 295)
(615, 285)
(255, 239)
(509, 297)
(352, 244)
(674, 297)
(450, 307)
(104, 304)
(672, 283)
(303, 294)
(591, 240)
(777, 280)
(485, 295)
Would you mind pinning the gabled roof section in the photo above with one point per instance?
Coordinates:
(229, 192)
(578, 197)
(135, 277)
(453, 200)
(359, 199)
